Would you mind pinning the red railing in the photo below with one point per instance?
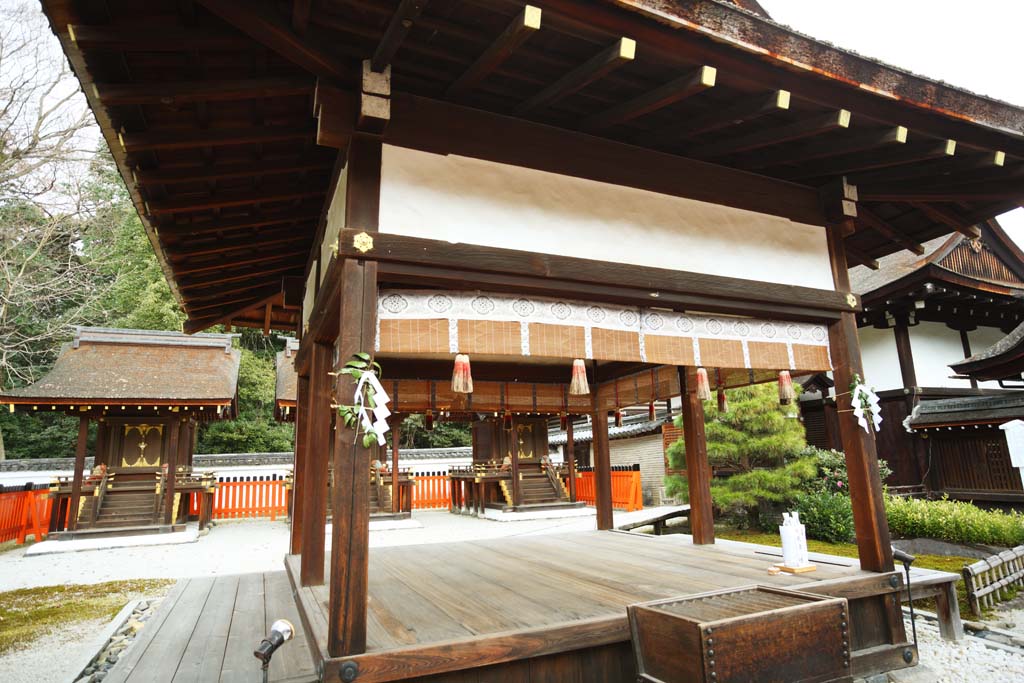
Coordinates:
(238, 499)
(431, 491)
(627, 494)
(24, 513)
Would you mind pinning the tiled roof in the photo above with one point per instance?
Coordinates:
(627, 430)
(138, 366)
(969, 410)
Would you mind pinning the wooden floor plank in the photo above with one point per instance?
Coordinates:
(292, 660)
(247, 630)
(137, 650)
(204, 656)
(165, 652)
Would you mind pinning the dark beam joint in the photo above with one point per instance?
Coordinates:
(839, 200)
(619, 53)
(697, 81)
(398, 28)
(524, 25)
(375, 99)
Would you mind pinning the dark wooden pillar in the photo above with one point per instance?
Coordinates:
(904, 353)
(602, 469)
(76, 481)
(965, 343)
(299, 492)
(102, 455)
(318, 434)
(350, 537)
(869, 519)
(171, 460)
(698, 469)
(570, 458)
(517, 488)
(396, 435)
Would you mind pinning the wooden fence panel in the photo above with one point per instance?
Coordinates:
(431, 491)
(994, 579)
(627, 493)
(23, 514)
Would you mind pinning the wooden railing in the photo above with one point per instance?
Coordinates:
(24, 513)
(627, 493)
(994, 579)
(430, 491)
(235, 499)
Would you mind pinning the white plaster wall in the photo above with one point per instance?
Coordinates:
(467, 200)
(881, 363)
(935, 346)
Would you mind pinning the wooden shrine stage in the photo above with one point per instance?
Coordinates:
(548, 607)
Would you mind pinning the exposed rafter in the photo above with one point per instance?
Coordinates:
(182, 92)
(189, 174)
(622, 51)
(398, 28)
(851, 143)
(209, 137)
(524, 25)
(777, 135)
(868, 217)
(688, 85)
(861, 161)
(741, 111)
(948, 218)
(221, 200)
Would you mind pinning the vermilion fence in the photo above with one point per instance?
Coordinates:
(627, 493)
(24, 513)
(247, 498)
(430, 491)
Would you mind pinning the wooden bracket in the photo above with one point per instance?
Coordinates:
(374, 100)
(839, 200)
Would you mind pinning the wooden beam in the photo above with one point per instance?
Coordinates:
(111, 38)
(970, 167)
(154, 140)
(249, 275)
(524, 25)
(993, 191)
(612, 57)
(878, 224)
(213, 172)
(570, 457)
(850, 164)
(76, 479)
(778, 135)
(398, 28)
(292, 215)
(185, 250)
(602, 468)
(227, 199)
(698, 469)
(872, 528)
(851, 143)
(396, 437)
(904, 353)
(318, 439)
(260, 20)
(443, 255)
(862, 259)
(229, 312)
(741, 111)
(176, 93)
(948, 218)
(300, 15)
(700, 79)
(266, 320)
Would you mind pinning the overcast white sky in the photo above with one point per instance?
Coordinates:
(974, 45)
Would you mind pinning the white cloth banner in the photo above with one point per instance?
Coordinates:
(378, 423)
(860, 395)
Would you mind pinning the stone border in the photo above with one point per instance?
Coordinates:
(100, 640)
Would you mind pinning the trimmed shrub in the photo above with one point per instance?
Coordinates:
(827, 516)
(953, 521)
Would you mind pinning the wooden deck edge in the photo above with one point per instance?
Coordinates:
(881, 658)
(481, 651)
(305, 604)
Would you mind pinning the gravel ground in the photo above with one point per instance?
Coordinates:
(51, 658)
(966, 661)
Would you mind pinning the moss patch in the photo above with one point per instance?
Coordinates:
(27, 613)
(951, 564)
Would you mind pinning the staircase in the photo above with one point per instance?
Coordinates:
(129, 501)
(537, 488)
(380, 499)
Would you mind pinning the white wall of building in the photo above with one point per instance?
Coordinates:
(934, 347)
(460, 199)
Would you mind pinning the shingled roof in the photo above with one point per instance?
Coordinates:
(286, 389)
(137, 366)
